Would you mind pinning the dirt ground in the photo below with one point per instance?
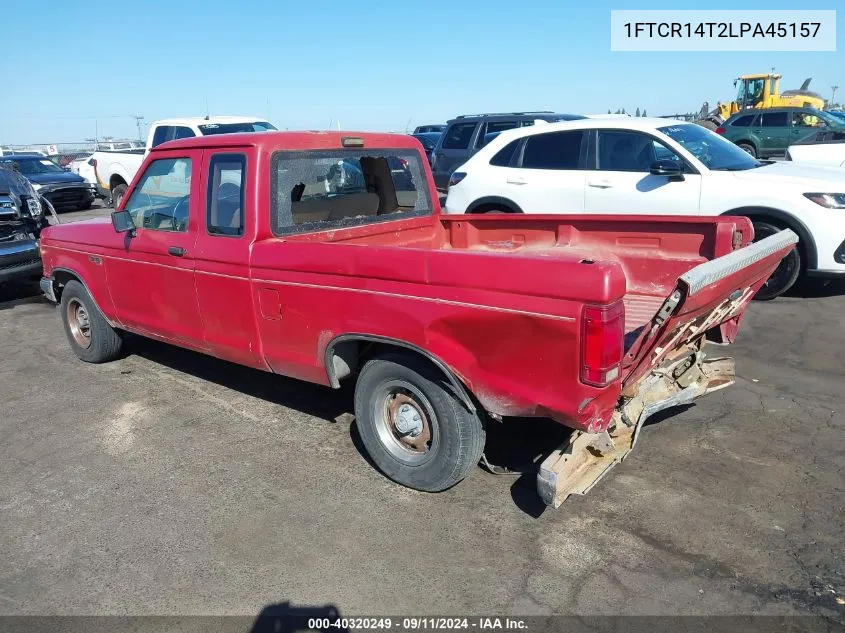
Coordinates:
(172, 483)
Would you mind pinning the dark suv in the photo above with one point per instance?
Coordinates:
(468, 133)
(767, 133)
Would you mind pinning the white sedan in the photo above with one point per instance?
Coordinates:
(658, 167)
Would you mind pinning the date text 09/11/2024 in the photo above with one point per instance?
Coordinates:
(416, 624)
(721, 29)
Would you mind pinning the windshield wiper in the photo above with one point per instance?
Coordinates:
(743, 167)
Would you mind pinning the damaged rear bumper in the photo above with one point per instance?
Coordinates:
(576, 466)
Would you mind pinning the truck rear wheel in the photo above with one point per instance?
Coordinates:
(89, 334)
(416, 430)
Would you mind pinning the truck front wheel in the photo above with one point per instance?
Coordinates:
(89, 334)
(416, 430)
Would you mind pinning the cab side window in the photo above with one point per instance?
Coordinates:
(160, 201)
(225, 195)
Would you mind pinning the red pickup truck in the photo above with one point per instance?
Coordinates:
(324, 256)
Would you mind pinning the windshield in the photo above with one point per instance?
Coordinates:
(828, 117)
(234, 128)
(31, 166)
(716, 152)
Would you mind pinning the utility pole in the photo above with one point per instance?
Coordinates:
(138, 120)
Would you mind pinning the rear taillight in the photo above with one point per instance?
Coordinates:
(456, 178)
(720, 130)
(602, 336)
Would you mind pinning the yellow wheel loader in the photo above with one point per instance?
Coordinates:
(759, 91)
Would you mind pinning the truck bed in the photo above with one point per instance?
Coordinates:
(653, 251)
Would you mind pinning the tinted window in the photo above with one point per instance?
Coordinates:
(316, 191)
(774, 119)
(232, 128)
(555, 150)
(503, 156)
(625, 151)
(34, 166)
(162, 134)
(160, 199)
(458, 136)
(492, 129)
(225, 194)
(744, 121)
(181, 131)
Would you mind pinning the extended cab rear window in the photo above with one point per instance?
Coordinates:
(314, 191)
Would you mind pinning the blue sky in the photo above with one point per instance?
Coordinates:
(370, 65)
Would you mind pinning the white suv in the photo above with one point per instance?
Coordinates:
(658, 167)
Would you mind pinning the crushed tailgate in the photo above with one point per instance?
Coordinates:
(711, 294)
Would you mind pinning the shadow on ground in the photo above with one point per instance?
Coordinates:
(14, 293)
(817, 288)
(305, 397)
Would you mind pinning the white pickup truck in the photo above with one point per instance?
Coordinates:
(114, 170)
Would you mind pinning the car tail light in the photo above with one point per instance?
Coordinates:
(720, 130)
(456, 178)
(602, 337)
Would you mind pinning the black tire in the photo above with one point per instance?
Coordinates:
(748, 148)
(456, 436)
(117, 195)
(98, 342)
(787, 272)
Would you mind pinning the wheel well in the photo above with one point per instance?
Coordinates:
(493, 203)
(783, 220)
(345, 355)
(116, 180)
(61, 278)
(747, 141)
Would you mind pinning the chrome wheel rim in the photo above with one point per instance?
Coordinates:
(404, 422)
(79, 323)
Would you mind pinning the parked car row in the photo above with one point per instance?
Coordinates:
(640, 166)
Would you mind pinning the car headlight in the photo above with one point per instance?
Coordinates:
(34, 206)
(827, 200)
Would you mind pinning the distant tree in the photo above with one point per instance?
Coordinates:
(608, 111)
(638, 112)
(623, 111)
(644, 114)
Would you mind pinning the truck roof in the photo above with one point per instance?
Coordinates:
(293, 140)
(201, 120)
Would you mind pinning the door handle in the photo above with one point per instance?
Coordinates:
(603, 184)
(516, 181)
(177, 251)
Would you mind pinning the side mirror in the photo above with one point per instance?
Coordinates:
(673, 169)
(122, 222)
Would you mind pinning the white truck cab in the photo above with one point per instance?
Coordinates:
(115, 169)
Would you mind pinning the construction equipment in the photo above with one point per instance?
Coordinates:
(759, 91)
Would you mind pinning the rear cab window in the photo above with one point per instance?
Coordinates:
(315, 191)
(225, 195)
